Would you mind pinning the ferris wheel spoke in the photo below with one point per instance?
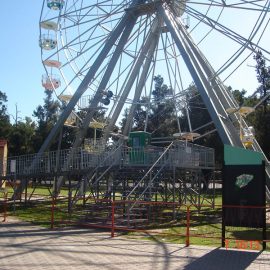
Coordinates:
(78, 54)
(246, 42)
(173, 68)
(91, 19)
(99, 43)
(241, 4)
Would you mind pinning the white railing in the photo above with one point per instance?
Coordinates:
(183, 155)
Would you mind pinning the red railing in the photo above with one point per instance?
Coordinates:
(187, 222)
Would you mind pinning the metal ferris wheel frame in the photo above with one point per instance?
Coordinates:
(214, 94)
(95, 74)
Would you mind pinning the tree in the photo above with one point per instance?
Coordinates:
(159, 113)
(21, 137)
(196, 110)
(239, 95)
(262, 114)
(5, 125)
(263, 76)
(162, 118)
(46, 118)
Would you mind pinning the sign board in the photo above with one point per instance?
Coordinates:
(243, 188)
(13, 166)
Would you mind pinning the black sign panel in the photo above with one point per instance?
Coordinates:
(243, 190)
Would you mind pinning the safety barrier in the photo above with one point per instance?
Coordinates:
(189, 224)
(184, 155)
(165, 221)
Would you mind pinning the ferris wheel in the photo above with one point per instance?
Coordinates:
(104, 55)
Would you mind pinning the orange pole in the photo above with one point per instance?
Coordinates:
(188, 225)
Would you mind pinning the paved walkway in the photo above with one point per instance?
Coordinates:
(24, 246)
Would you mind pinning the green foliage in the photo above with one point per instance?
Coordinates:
(5, 125)
(199, 117)
(261, 118)
(162, 119)
(263, 74)
(46, 116)
(159, 113)
(21, 138)
(3, 107)
(48, 112)
(239, 96)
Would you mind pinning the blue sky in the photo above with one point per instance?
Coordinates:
(21, 67)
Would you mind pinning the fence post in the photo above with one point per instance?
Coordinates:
(5, 206)
(188, 225)
(52, 212)
(113, 206)
(25, 192)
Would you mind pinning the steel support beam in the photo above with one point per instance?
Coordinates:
(198, 72)
(148, 48)
(141, 83)
(98, 95)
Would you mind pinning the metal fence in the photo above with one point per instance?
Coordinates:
(182, 154)
(166, 221)
(174, 222)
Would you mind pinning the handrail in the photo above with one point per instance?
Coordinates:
(150, 183)
(99, 165)
(151, 168)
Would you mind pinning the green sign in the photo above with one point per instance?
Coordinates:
(241, 156)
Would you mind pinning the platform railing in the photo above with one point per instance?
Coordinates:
(183, 154)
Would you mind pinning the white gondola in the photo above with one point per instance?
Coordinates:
(52, 63)
(50, 82)
(47, 42)
(247, 137)
(187, 136)
(246, 133)
(49, 25)
(65, 98)
(55, 4)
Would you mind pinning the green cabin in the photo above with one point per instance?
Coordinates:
(138, 140)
